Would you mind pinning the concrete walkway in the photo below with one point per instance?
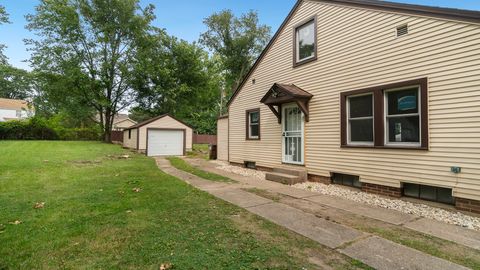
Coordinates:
(372, 250)
(435, 228)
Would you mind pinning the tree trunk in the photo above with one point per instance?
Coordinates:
(107, 129)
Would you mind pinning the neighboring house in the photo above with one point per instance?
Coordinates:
(160, 136)
(15, 109)
(121, 122)
(371, 94)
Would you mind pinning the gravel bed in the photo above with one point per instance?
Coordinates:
(419, 210)
(416, 209)
(223, 165)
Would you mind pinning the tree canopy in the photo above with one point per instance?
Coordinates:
(3, 20)
(238, 41)
(94, 44)
(180, 78)
(92, 59)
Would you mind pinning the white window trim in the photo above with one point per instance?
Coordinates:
(250, 136)
(366, 143)
(386, 117)
(297, 42)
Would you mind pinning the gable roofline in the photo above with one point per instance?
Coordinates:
(419, 10)
(141, 124)
(126, 119)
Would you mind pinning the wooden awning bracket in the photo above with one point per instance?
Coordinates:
(286, 93)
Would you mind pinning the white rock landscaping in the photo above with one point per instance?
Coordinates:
(416, 209)
(420, 210)
(222, 165)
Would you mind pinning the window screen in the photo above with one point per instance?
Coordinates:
(360, 118)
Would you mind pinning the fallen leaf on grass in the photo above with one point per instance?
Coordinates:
(136, 189)
(16, 222)
(45, 160)
(39, 205)
(166, 266)
(128, 211)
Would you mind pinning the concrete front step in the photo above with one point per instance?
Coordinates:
(297, 172)
(283, 178)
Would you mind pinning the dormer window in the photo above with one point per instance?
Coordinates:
(305, 42)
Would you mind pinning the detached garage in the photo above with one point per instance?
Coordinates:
(160, 136)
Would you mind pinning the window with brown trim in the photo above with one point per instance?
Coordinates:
(387, 116)
(253, 124)
(305, 42)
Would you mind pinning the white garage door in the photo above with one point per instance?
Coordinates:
(165, 142)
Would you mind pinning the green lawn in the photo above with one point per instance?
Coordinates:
(185, 166)
(199, 151)
(93, 218)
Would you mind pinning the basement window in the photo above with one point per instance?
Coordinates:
(402, 30)
(429, 193)
(250, 164)
(346, 180)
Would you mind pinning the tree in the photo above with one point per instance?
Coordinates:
(237, 41)
(15, 83)
(3, 20)
(179, 78)
(92, 46)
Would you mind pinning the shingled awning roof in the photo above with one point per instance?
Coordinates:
(286, 93)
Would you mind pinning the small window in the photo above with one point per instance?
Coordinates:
(346, 180)
(129, 134)
(253, 124)
(429, 193)
(305, 42)
(360, 119)
(402, 30)
(403, 116)
(250, 164)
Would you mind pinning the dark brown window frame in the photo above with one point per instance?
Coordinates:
(129, 134)
(247, 124)
(299, 63)
(379, 115)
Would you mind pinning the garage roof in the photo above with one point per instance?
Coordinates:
(155, 119)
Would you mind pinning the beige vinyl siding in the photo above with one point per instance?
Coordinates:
(222, 139)
(132, 142)
(165, 122)
(358, 48)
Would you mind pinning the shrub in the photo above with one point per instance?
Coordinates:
(32, 129)
(41, 129)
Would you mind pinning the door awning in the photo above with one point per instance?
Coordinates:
(286, 93)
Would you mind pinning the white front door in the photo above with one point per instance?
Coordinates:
(292, 134)
(165, 142)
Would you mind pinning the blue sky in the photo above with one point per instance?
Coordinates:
(181, 18)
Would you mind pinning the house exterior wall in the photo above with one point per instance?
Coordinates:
(164, 122)
(9, 114)
(358, 48)
(132, 142)
(222, 139)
